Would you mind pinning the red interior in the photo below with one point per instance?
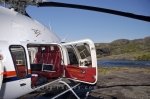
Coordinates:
(49, 56)
(21, 71)
(53, 56)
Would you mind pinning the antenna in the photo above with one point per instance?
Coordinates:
(50, 26)
(65, 38)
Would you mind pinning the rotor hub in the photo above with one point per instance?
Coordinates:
(20, 5)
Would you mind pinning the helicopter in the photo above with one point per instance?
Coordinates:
(32, 56)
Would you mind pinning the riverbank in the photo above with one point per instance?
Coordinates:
(133, 56)
(122, 83)
(102, 71)
(123, 63)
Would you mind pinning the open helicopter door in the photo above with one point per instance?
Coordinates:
(80, 61)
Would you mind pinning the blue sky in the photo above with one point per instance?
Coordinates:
(74, 24)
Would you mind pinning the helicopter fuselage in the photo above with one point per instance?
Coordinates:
(31, 52)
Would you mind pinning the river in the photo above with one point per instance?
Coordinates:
(123, 63)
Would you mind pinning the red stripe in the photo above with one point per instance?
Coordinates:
(7, 74)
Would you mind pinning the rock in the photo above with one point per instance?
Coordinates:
(120, 42)
(121, 92)
(124, 79)
(123, 85)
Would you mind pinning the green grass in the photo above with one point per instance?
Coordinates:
(145, 56)
(106, 71)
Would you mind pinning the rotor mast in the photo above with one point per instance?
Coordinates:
(20, 5)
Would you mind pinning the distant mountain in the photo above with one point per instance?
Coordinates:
(137, 49)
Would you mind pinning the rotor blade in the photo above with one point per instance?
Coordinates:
(98, 9)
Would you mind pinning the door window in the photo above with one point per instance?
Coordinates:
(19, 59)
(84, 54)
(73, 60)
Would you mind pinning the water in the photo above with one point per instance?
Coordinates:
(123, 63)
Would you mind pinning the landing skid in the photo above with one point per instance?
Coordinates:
(69, 89)
(56, 90)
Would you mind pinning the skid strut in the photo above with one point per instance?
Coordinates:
(69, 89)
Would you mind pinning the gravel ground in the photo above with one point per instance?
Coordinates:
(123, 83)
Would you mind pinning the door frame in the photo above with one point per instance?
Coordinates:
(93, 58)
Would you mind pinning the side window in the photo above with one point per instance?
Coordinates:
(83, 50)
(19, 59)
(84, 53)
(72, 56)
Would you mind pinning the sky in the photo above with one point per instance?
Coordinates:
(74, 24)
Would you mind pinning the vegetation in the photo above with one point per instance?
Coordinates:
(138, 49)
(112, 70)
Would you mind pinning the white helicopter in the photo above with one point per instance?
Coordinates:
(32, 56)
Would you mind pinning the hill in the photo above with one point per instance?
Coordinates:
(137, 49)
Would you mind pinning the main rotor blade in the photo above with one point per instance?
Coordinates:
(98, 9)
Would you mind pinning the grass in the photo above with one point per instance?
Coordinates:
(141, 56)
(110, 70)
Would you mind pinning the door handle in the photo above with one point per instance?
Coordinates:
(23, 84)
